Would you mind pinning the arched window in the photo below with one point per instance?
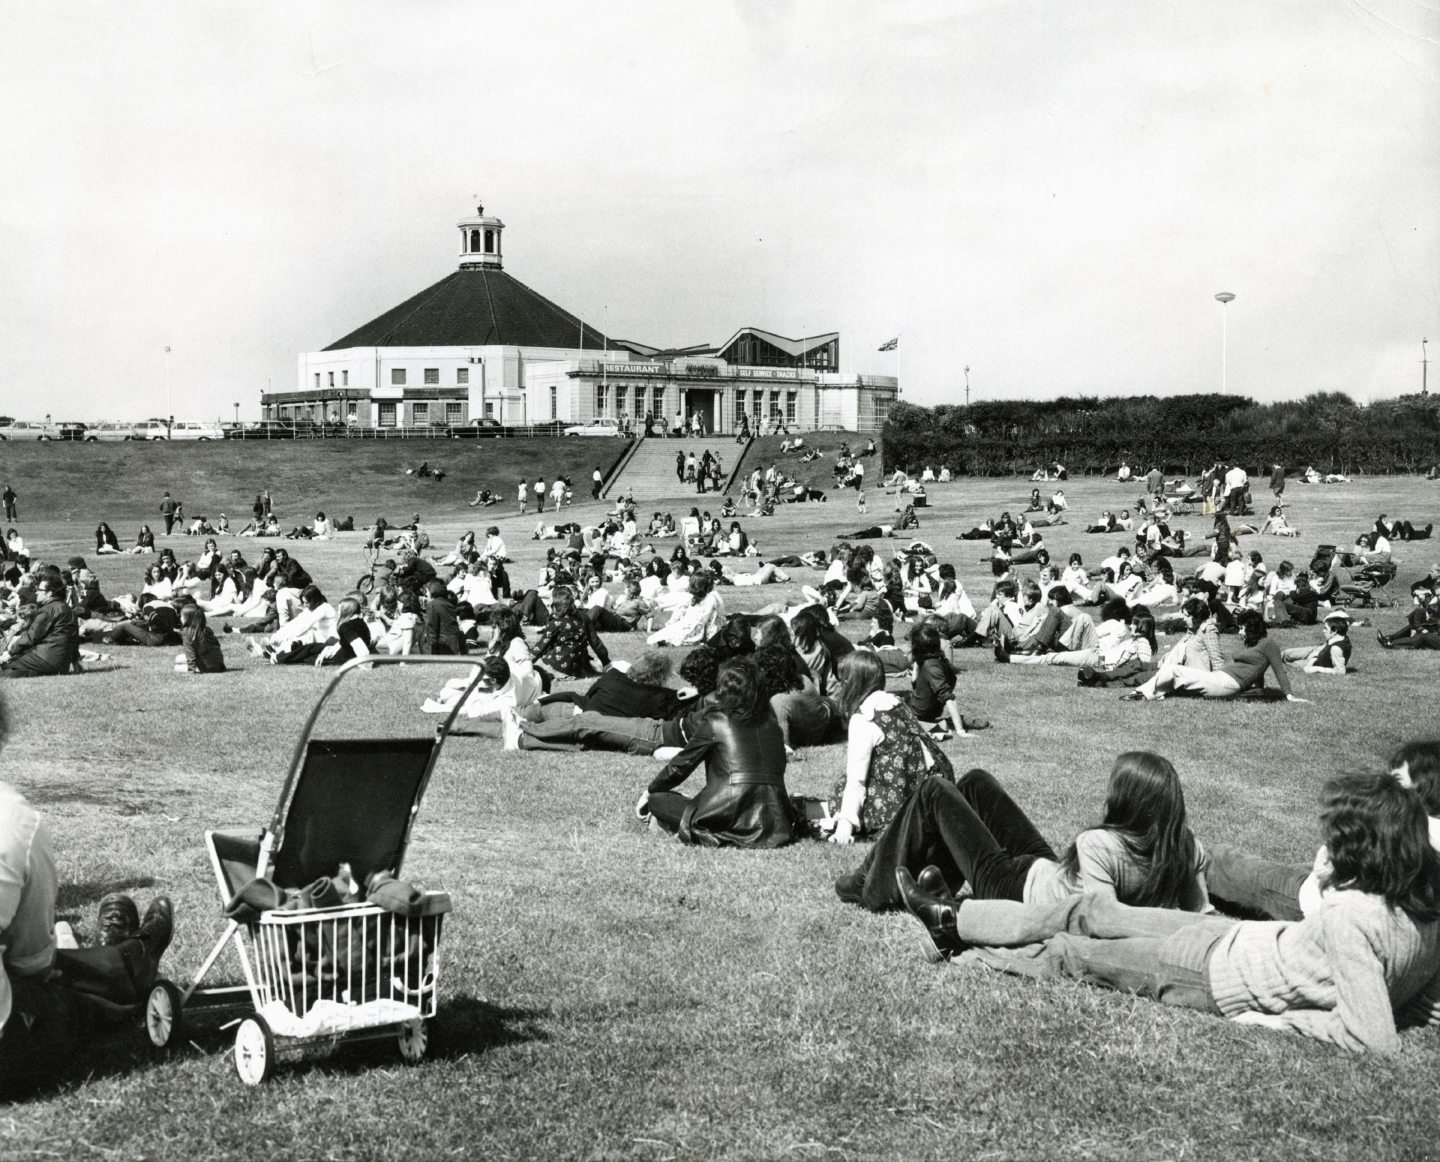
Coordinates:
(489, 241)
(474, 241)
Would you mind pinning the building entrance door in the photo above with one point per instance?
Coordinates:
(706, 404)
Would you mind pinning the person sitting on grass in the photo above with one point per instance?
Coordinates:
(744, 802)
(1351, 975)
(932, 685)
(1332, 656)
(54, 1001)
(1244, 672)
(49, 643)
(1422, 626)
(569, 638)
(302, 637)
(972, 832)
(202, 650)
(105, 539)
(696, 622)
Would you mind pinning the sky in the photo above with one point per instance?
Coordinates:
(1049, 194)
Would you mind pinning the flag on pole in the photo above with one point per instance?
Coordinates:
(892, 345)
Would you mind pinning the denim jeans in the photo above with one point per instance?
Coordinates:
(1258, 885)
(600, 731)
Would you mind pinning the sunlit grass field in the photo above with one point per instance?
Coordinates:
(607, 993)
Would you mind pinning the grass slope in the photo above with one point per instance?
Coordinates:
(608, 993)
(83, 484)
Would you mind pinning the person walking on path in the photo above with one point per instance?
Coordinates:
(167, 510)
(596, 479)
(9, 497)
(539, 494)
(680, 467)
(523, 496)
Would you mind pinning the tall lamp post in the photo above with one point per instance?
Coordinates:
(167, 381)
(1224, 298)
(967, 386)
(1424, 368)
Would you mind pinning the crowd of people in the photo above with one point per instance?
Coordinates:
(865, 658)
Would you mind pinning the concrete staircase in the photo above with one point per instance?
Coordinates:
(650, 472)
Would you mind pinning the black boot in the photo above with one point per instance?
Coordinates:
(851, 886)
(936, 913)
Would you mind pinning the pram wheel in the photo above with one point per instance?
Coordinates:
(254, 1050)
(413, 1040)
(163, 1024)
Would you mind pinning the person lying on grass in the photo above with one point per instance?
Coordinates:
(1250, 884)
(1245, 671)
(623, 716)
(1363, 966)
(972, 832)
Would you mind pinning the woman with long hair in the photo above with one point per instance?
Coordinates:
(888, 754)
(1142, 851)
(744, 802)
(105, 539)
(1346, 975)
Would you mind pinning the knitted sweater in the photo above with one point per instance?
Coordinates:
(1340, 976)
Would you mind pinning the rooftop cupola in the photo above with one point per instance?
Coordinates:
(480, 240)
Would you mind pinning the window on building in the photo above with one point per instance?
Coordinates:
(554, 402)
(397, 377)
(602, 392)
(639, 401)
(474, 241)
(882, 412)
(455, 412)
(330, 378)
(790, 398)
(419, 414)
(490, 409)
(462, 376)
(489, 241)
(657, 401)
(387, 413)
(317, 380)
(344, 379)
(432, 376)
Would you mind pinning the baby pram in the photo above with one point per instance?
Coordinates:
(363, 969)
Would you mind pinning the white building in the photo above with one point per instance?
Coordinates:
(481, 343)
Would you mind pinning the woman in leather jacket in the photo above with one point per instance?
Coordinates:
(744, 802)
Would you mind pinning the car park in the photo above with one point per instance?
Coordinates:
(28, 430)
(108, 430)
(600, 427)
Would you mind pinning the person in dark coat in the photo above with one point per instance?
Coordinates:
(440, 630)
(50, 643)
(744, 802)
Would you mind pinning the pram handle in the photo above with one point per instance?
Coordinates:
(297, 760)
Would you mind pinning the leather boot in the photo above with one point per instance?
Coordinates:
(936, 914)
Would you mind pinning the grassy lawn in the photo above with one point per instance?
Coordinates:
(608, 993)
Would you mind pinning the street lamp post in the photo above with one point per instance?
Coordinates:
(1224, 298)
(167, 380)
(1424, 368)
(967, 386)
(237, 413)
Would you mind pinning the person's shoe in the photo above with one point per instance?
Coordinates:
(1132, 696)
(118, 920)
(851, 886)
(1002, 654)
(936, 914)
(1382, 639)
(510, 729)
(157, 928)
(932, 883)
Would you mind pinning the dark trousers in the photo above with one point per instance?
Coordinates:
(971, 830)
(667, 808)
(169, 522)
(531, 610)
(605, 621)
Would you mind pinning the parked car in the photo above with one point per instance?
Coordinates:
(260, 430)
(179, 430)
(28, 430)
(70, 430)
(600, 427)
(480, 428)
(109, 430)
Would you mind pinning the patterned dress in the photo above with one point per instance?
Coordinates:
(897, 765)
